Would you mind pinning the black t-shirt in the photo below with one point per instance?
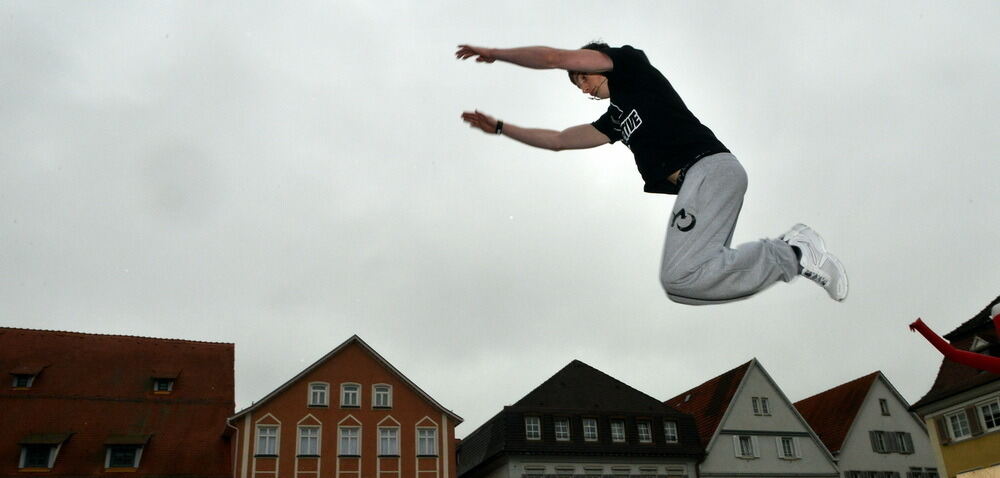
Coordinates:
(648, 116)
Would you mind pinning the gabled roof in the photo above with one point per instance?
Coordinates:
(353, 340)
(709, 401)
(577, 390)
(954, 378)
(831, 413)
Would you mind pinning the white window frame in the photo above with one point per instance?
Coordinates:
(755, 404)
(53, 452)
(532, 427)
(752, 441)
(423, 449)
(356, 440)
(951, 425)
(392, 445)
(323, 390)
(793, 443)
(387, 394)
(670, 431)
(765, 406)
(344, 395)
(135, 459)
(618, 432)
(274, 439)
(590, 429)
(990, 405)
(883, 405)
(561, 426)
(315, 439)
(645, 429)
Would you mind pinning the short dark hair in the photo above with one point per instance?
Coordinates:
(594, 45)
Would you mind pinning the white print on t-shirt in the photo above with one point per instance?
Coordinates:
(631, 123)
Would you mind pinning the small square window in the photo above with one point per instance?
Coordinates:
(318, 393)
(590, 429)
(745, 446)
(37, 456)
(787, 448)
(350, 395)
(958, 424)
(991, 415)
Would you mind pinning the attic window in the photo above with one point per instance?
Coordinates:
(39, 451)
(22, 381)
(884, 405)
(23, 376)
(163, 385)
(123, 452)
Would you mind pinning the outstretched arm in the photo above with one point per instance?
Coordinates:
(540, 57)
(576, 137)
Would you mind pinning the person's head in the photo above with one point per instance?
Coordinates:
(593, 84)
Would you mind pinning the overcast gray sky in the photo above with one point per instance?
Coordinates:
(282, 176)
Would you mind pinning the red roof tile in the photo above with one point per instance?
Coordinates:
(99, 388)
(831, 413)
(708, 402)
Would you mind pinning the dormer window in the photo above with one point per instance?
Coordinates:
(163, 385)
(350, 395)
(23, 381)
(645, 432)
(123, 452)
(39, 451)
(562, 429)
(532, 428)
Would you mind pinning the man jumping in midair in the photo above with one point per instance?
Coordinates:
(675, 154)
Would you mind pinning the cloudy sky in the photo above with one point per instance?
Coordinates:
(283, 177)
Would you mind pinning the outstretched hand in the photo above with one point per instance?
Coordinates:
(467, 51)
(479, 120)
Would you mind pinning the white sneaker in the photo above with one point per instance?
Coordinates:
(818, 265)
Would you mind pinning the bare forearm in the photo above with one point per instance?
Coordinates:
(537, 137)
(537, 57)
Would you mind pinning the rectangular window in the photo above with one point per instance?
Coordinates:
(991, 414)
(884, 405)
(349, 441)
(427, 441)
(765, 407)
(267, 440)
(23, 381)
(755, 401)
(590, 429)
(645, 432)
(593, 471)
(618, 430)
(532, 428)
(388, 441)
(562, 429)
(745, 446)
(350, 395)
(37, 456)
(647, 472)
(383, 396)
(163, 385)
(958, 424)
(534, 472)
(123, 456)
(308, 441)
(674, 471)
(318, 394)
(787, 448)
(670, 431)
(879, 443)
(904, 442)
(565, 471)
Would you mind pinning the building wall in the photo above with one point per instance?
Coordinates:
(519, 466)
(290, 409)
(857, 454)
(783, 420)
(970, 453)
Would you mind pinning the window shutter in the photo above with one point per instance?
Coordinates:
(756, 449)
(942, 429)
(736, 445)
(973, 416)
(892, 442)
(871, 435)
(908, 441)
(798, 449)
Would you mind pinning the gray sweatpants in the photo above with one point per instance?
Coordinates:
(699, 267)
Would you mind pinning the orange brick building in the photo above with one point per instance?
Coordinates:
(351, 414)
(82, 405)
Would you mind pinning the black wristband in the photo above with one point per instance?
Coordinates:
(499, 129)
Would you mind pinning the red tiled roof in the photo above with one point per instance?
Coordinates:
(99, 388)
(708, 402)
(831, 413)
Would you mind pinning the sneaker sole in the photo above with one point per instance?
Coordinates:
(840, 266)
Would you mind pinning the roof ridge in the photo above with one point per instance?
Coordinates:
(122, 336)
